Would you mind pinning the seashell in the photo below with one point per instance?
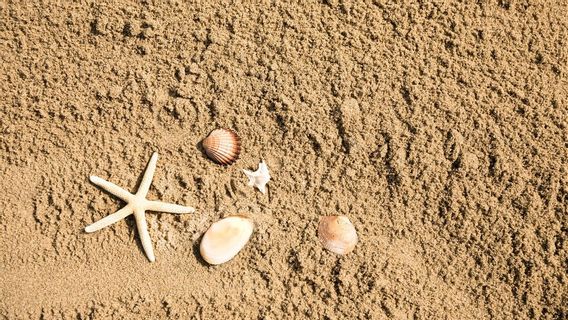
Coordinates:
(222, 146)
(225, 238)
(337, 234)
(258, 178)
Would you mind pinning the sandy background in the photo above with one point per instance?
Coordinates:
(439, 128)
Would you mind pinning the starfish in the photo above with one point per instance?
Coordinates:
(259, 178)
(137, 205)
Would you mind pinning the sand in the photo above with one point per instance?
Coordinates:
(439, 129)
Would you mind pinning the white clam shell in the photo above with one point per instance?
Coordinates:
(222, 146)
(337, 234)
(225, 238)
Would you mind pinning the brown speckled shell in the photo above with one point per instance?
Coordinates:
(222, 146)
(337, 234)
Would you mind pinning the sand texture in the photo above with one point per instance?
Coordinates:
(438, 127)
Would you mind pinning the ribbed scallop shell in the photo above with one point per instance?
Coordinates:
(337, 234)
(225, 238)
(222, 146)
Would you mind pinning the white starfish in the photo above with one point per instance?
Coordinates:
(259, 178)
(137, 205)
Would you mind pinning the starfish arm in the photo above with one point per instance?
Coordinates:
(148, 175)
(144, 235)
(262, 188)
(168, 207)
(250, 176)
(110, 219)
(112, 188)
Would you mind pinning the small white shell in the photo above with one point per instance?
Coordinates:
(225, 238)
(258, 178)
(337, 234)
(222, 146)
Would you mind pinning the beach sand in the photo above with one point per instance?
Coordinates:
(439, 129)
